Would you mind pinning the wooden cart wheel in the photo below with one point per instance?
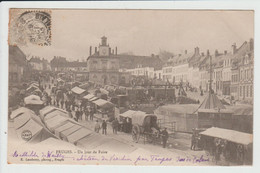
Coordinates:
(136, 133)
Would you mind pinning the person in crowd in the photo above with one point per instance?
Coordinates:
(104, 127)
(165, 137)
(217, 150)
(77, 115)
(193, 138)
(62, 103)
(91, 114)
(57, 102)
(124, 125)
(70, 113)
(80, 113)
(115, 125)
(66, 104)
(97, 127)
(240, 154)
(128, 125)
(73, 105)
(54, 102)
(86, 113)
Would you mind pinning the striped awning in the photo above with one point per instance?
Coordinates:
(211, 102)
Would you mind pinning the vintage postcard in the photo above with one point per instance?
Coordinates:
(131, 87)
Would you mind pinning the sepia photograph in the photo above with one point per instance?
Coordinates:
(161, 87)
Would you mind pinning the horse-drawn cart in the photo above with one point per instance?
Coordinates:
(145, 125)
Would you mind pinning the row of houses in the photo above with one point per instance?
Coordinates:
(232, 72)
(39, 64)
(61, 64)
(21, 67)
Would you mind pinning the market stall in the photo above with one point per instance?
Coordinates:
(105, 108)
(233, 145)
(28, 126)
(79, 92)
(34, 103)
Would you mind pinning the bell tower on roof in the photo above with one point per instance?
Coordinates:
(104, 47)
(103, 41)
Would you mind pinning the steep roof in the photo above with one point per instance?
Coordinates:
(194, 60)
(16, 55)
(211, 102)
(131, 61)
(62, 62)
(179, 59)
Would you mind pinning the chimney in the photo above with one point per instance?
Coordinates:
(251, 44)
(216, 52)
(109, 51)
(95, 49)
(186, 51)
(234, 48)
(116, 50)
(196, 51)
(225, 52)
(113, 51)
(90, 50)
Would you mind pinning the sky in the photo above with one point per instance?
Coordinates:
(144, 32)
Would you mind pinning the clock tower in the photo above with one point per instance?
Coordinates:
(104, 47)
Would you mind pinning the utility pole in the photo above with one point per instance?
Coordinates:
(210, 73)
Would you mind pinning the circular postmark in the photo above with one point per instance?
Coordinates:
(34, 27)
(26, 135)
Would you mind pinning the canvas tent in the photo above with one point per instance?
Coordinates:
(229, 135)
(104, 91)
(138, 117)
(211, 102)
(128, 114)
(55, 122)
(33, 100)
(79, 134)
(89, 96)
(182, 114)
(65, 133)
(31, 88)
(93, 99)
(28, 121)
(55, 113)
(242, 109)
(77, 90)
(102, 103)
(48, 109)
(19, 111)
(65, 126)
(212, 113)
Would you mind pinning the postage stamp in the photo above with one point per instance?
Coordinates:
(31, 26)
